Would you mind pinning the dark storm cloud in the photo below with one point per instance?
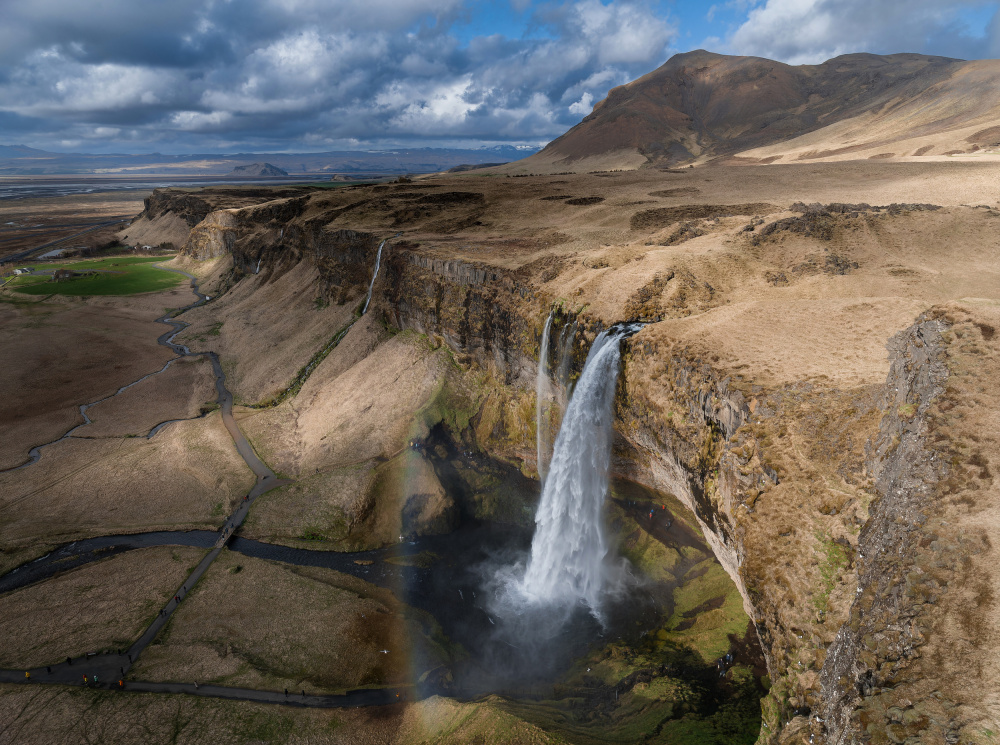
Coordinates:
(301, 74)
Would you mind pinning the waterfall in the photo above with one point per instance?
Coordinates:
(378, 263)
(566, 339)
(257, 271)
(567, 553)
(541, 397)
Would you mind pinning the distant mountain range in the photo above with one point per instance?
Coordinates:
(18, 160)
(700, 107)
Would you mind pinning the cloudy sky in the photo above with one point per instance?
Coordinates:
(181, 76)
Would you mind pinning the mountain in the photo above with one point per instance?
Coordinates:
(701, 106)
(20, 151)
(257, 170)
(16, 160)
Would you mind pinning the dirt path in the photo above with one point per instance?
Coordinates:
(108, 672)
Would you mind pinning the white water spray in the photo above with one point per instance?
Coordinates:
(569, 547)
(542, 394)
(378, 263)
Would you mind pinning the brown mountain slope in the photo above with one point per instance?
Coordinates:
(701, 106)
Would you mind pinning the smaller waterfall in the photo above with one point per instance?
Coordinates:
(542, 394)
(566, 339)
(568, 550)
(257, 271)
(378, 263)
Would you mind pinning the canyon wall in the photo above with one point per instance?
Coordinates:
(813, 497)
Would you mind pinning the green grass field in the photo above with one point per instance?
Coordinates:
(121, 275)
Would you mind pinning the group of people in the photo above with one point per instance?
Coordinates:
(88, 680)
(663, 508)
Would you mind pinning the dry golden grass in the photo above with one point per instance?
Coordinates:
(259, 624)
(50, 714)
(955, 575)
(443, 721)
(317, 507)
(265, 331)
(101, 606)
(184, 391)
(188, 476)
(343, 440)
(341, 417)
(69, 352)
(169, 228)
(43, 717)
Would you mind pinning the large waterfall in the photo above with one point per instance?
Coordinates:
(568, 550)
(542, 395)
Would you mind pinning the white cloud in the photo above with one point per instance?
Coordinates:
(812, 31)
(583, 106)
(429, 111)
(315, 71)
(49, 83)
(195, 121)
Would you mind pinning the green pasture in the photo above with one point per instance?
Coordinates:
(121, 275)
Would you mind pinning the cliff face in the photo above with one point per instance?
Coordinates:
(817, 496)
(482, 313)
(879, 636)
(491, 320)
